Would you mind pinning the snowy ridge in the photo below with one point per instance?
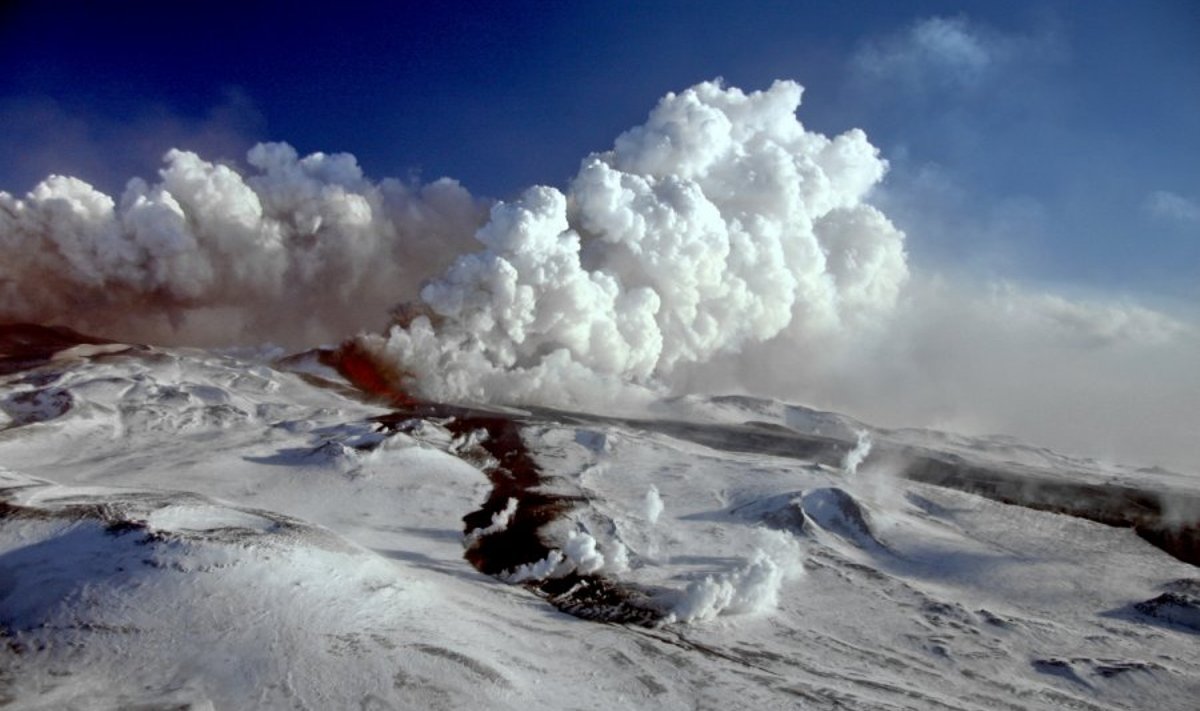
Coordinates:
(194, 529)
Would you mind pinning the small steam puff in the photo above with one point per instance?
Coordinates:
(500, 521)
(753, 588)
(580, 554)
(858, 454)
(654, 505)
(718, 224)
(301, 250)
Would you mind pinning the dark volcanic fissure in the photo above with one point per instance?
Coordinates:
(24, 346)
(514, 474)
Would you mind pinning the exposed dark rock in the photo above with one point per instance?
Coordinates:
(1179, 604)
(26, 345)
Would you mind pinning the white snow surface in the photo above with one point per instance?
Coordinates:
(186, 529)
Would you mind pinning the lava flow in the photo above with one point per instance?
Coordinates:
(514, 474)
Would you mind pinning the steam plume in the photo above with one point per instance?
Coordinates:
(300, 250)
(719, 246)
(719, 223)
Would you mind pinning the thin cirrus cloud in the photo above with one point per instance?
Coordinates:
(1000, 328)
(946, 53)
(951, 100)
(1172, 207)
(939, 45)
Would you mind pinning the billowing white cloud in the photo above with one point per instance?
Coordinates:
(298, 250)
(719, 223)
(718, 246)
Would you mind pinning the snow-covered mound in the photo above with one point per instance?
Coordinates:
(1179, 604)
(145, 596)
(195, 529)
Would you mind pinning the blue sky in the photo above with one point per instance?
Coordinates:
(1046, 142)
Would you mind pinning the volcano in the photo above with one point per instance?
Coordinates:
(199, 529)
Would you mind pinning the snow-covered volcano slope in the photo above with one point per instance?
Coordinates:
(191, 529)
